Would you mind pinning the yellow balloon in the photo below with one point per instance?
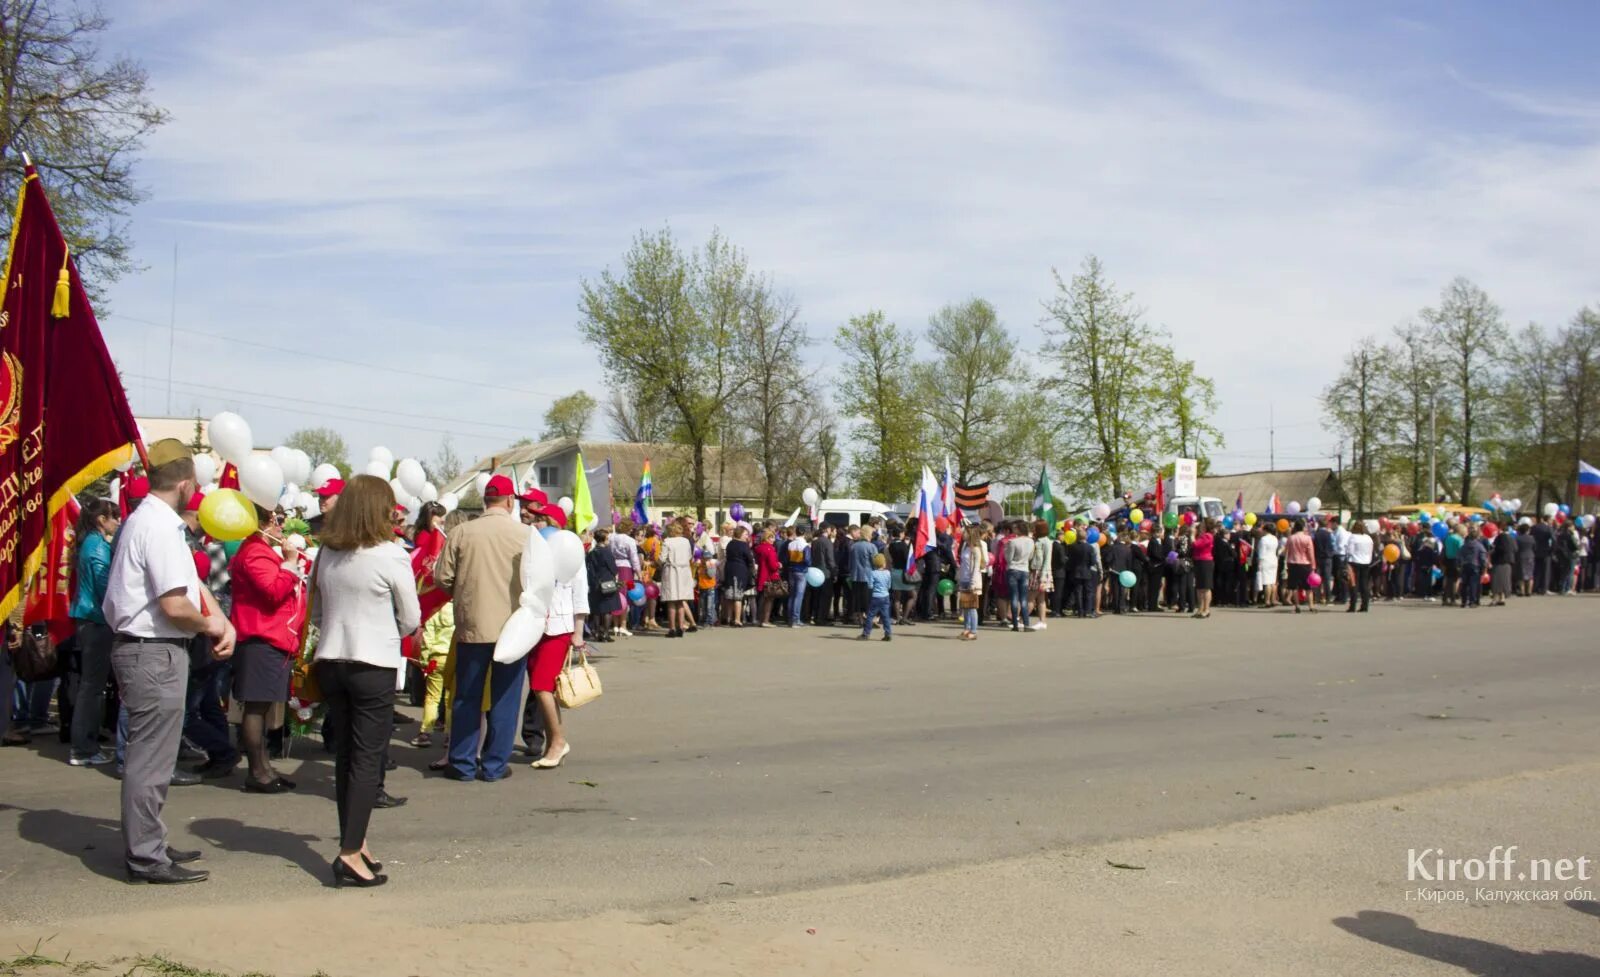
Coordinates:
(1136, 516)
(1249, 519)
(226, 515)
(1069, 537)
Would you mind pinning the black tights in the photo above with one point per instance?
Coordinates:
(253, 736)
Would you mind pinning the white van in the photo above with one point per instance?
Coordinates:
(845, 513)
(1203, 506)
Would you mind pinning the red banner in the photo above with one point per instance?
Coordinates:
(50, 592)
(64, 419)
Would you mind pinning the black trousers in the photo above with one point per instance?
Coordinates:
(1083, 594)
(822, 605)
(360, 704)
(860, 596)
(1363, 586)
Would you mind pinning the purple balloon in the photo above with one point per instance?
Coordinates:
(1172, 558)
(736, 512)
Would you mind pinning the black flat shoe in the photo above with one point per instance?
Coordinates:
(344, 875)
(271, 787)
(287, 783)
(178, 856)
(387, 800)
(168, 875)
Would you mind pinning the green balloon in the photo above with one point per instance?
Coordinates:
(946, 588)
(232, 547)
(1171, 520)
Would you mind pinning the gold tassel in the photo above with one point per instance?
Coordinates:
(62, 306)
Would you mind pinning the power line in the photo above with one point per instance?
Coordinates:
(279, 406)
(279, 348)
(224, 392)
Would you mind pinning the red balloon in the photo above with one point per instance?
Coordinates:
(1485, 579)
(1490, 530)
(1147, 525)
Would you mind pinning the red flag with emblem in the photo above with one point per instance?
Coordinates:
(50, 592)
(56, 377)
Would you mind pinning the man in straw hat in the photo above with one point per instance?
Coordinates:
(154, 604)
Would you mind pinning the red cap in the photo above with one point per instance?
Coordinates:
(555, 514)
(499, 487)
(330, 488)
(194, 502)
(535, 496)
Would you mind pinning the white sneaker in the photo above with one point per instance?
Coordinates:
(1031, 627)
(1040, 626)
(625, 632)
(99, 759)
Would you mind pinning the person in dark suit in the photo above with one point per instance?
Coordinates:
(1155, 571)
(1058, 573)
(1322, 546)
(1080, 565)
(1543, 544)
(824, 557)
(1119, 557)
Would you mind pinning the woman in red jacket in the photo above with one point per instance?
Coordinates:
(269, 610)
(768, 571)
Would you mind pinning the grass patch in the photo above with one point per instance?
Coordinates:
(158, 965)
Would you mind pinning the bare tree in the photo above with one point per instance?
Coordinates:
(776, 391)
(81, 118)
(636, 417)
(1578, 347)
(1358, 408)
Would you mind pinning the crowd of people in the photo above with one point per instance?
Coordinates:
(174, 629)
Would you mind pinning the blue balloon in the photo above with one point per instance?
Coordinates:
(1440, 530)
(815, 577)
(548, 531)
(636, 594)
(1476, 517)
(1227, 522)
(1566, 510)
(1094, 535)
(1437, 573)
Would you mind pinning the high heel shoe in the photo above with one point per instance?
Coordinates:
(372, 866)
(548, 762)
(343, 875)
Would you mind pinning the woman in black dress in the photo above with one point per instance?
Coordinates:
(605, 596)
(738, 574)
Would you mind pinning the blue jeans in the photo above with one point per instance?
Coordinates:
(708, 607)
(877, 610)
(475, 665)
(970, 619)
(1017, 584)
(797, 597)
(204, 723)
(30, 703)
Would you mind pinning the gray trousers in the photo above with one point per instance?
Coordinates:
(153, 678)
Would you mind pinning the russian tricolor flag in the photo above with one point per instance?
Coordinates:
(1588, 481)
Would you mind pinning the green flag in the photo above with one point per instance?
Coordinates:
(1044, 506)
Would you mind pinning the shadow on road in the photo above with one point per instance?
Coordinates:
(1473, 956)
(1585, 907)
(236, 836)
(96, 842)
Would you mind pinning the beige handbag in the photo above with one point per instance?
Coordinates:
(578, 684)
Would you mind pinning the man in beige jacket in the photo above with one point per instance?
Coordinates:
(480, 569)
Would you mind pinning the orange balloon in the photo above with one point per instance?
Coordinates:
(1391, 553)
(1283, 525)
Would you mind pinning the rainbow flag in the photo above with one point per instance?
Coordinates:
(641, 498)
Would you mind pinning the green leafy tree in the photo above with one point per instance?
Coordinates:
(775, 412)
(876, 392)
(1411, 377)
(1189, 400)
(1531, 420)
(569, 416)
(1471, 335)
(82, 118)
(673, 323)
(1104, 367)
(976, 395)
(1578, 362)
(1358, 407)
(322, 444)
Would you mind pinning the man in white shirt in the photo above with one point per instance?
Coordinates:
(154, 604)
(1358, 553)
(1341, 557)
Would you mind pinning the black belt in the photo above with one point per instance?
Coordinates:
(134, 639)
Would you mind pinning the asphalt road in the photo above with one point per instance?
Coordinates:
(737, 763)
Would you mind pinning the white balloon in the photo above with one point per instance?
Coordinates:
(380, 453)
(209, 488)
(1313, 504)
(481, 482)
(1100, 511)
(297, 541)
(321, 475)
(231, 436)
(429, 493)
(261, 480)
(308, 502)
(527, 623)
(810, 497)
(567, 550)
(205, 469)
(1294, 508)
(299, 471)
(1550, 510)
(127, 462)
(565, 502)
(284, 456)
(449, 500)
(411, 476)
(378, 469)
(1516, 504)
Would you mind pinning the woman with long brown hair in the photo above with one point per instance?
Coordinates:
(365, 603)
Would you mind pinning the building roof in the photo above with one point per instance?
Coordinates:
(1291, 484)
(671, 468)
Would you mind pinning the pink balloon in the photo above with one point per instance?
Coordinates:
(651, 591)
(1314, 580)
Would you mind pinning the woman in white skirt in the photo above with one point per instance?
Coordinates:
(1267, 567)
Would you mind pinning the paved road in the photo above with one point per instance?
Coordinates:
(736, 763)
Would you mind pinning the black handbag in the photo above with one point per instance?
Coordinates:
(608, 587)
(35, 660)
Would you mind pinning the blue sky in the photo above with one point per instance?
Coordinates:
(372, 184)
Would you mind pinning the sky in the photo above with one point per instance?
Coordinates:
(382, 212)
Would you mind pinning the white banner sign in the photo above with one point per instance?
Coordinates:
(1185, 477)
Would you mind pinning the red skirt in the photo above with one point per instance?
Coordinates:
(548, 657)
